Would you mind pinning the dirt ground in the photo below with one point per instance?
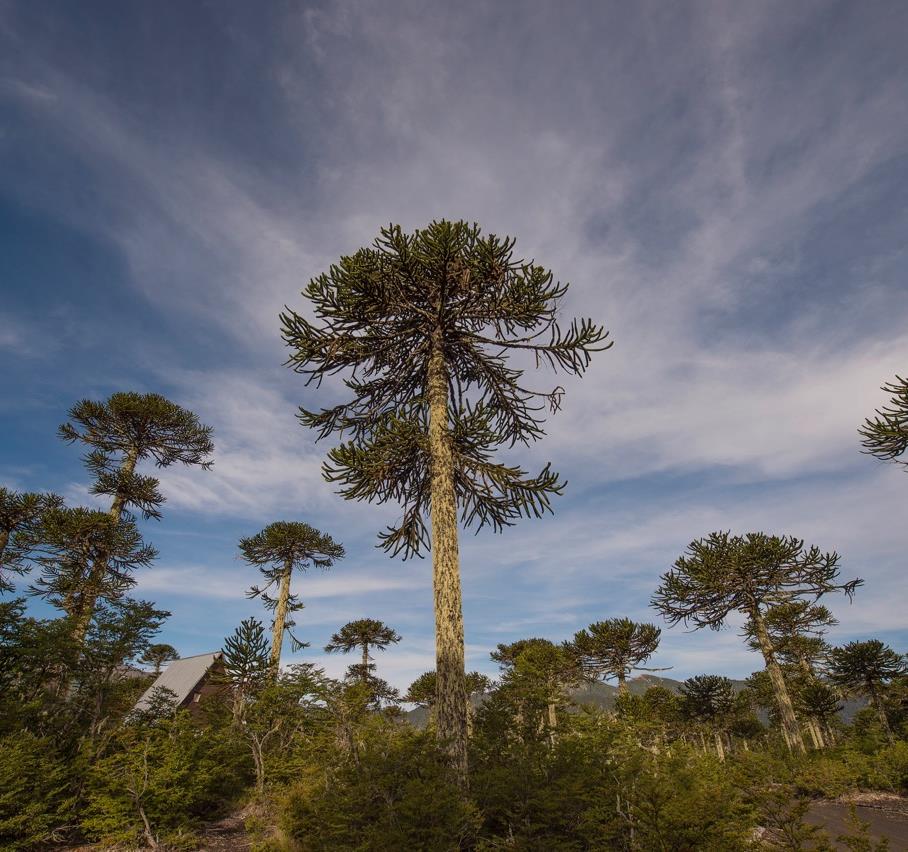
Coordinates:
(886, 815)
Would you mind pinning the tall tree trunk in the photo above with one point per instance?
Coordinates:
(450, 681)
(622, 683)
(720, 747)
(877, 701)
(280, 620)
(790, 728)
(4, 540)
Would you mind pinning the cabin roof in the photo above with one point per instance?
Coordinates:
(181, 677)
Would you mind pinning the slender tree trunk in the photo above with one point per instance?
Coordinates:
(790, 728)
(622, 683)
(720, 748)
(450, 683)
(877, 702)
(280, 620)
(814, 734)
(99, 567)
(4, 540)
(365, 660)
(128, 468)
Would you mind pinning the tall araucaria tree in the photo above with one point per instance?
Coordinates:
(865, 668)
(69, 546)
(20, 518)
(616, 647)
(423, 325)
(123, 431)
(886, 433)
(722, 573)
(278, 550)
(364, 633)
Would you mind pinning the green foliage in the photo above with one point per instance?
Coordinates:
(616, 647)
(245, 659)
(20, 519)
(723, 573)
(158, 654)
(281, 549)
(364, 633)
(36, 791)
(886, 434)
(380, 314)
(166, 773)
(130, 427)
(86, 556)
(399, 795)
(866, 667)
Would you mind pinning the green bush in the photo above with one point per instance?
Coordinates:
(36, 791)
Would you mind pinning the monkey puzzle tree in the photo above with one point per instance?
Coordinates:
(537, 674)
(364, 633)
(423, 324)
(886, 434)
(750, 574)
(709, 700)
(280, 549)
(158, 654)
(615, 647)
(246, 663)
(69, 546)
(796, 629)
(20, 518)
(124, 430)
(865, 668)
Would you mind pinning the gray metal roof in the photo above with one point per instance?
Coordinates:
(181, 677)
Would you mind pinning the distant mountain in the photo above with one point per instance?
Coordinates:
(603, 695)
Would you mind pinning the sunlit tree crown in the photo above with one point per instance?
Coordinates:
(380, 314)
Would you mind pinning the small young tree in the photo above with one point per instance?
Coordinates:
(246, 662)
(278, 550)
(614, 648)
(709, 700)
(723, 573)
(423, 323)
(20, 519)
(158, 654)
(865, 668)
(886, 434)
(69, 546)
(365, 633)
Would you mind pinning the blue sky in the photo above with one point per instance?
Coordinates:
(723, 184)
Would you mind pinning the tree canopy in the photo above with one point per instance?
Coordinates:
(380, 312)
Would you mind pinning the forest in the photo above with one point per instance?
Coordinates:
(437, 338)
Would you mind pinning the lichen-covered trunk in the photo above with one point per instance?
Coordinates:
(280, 620)
(622, 683)
(720, 746)
(4, 540)
(790, 728)
(450, 681)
